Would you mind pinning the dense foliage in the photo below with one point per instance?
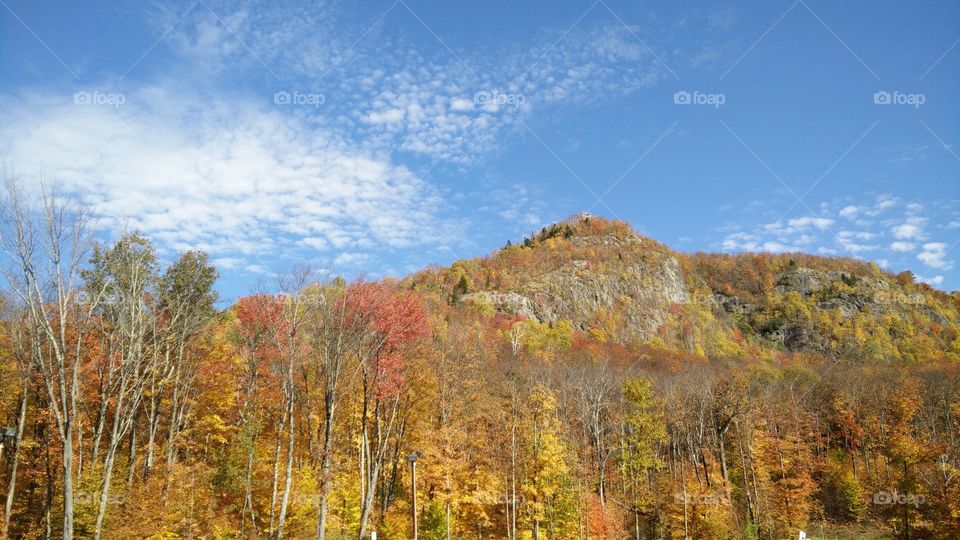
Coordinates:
(758, 406)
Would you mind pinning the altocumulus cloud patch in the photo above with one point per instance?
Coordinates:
(231, 179)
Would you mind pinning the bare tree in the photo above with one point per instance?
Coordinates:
(185, 306)
(288, 342)
(333, 334)
(24, 340)
(593, 391)
(46, 244)
(127, 272)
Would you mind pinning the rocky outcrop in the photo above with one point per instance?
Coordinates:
(627, 287)
(861, 292)
(510, 303)
(643, 292)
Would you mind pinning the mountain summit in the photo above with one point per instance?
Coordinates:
(603, 278)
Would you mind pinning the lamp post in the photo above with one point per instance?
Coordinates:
(412, 458)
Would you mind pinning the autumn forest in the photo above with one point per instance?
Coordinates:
(582, 382)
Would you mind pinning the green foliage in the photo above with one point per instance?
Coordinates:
(548, 486)
(644, 420)
(843, 497)
(433, 522)
(545, 338)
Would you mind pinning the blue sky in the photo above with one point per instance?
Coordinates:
(378, 137)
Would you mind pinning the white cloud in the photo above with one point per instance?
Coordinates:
(740, 241)
(804, 222)
(933, 255)
(934, 280)
(912, 229)
(859, 235)
(231, 179)
(352, 259)
(849, 240)
(885, 202)
(389, 116)
(850, 211)
(227, 262)
(395, 95)
(257, 269)
(880, 234)
(777, 247)
(461, 105)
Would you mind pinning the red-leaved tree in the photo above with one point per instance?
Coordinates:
(390, 320)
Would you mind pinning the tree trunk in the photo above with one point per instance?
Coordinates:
(132, 455)
(288, 480)
(248, 488)
(68, 480)
(153, 425)
(325, 462)
(12, 485)
(105, 489)
(276, 477)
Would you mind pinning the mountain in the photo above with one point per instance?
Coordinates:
(588, 381)
(603, 278)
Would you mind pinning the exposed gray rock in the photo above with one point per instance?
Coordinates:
(509, 302)
(732, 304)
(642, 292)
(805, 281)
(798, 338)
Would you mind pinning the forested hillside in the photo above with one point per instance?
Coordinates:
(585, 382)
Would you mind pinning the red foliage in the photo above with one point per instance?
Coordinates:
(260, 317)
(604, 520)
(392, 319)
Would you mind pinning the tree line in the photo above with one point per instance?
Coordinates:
(139, 409)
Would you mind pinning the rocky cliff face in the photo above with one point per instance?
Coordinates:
(601, 275)
(640, 285)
